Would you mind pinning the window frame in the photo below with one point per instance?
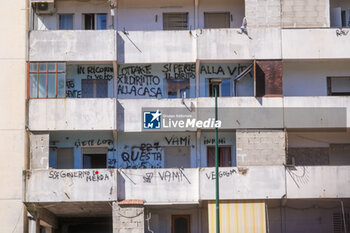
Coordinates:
(217, 12)
(175, 13)
(220, 147)
(58, 21)
(95, 21)
(220, 87)
(329, 86)
(47, 72)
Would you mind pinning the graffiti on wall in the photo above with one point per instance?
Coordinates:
(223, 70)
(88, 176)
(209, 141)
(76, 73)
(168, 176)
(146, 155)
(148, 81)
(178, 140)
(93, 142)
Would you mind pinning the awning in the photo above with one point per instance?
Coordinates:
(238, 216)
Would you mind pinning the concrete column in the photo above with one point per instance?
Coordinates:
(128, 217)
(39, 150)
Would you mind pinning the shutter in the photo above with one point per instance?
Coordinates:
(175, 21)
(238, 216)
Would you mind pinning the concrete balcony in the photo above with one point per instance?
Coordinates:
(156, 46)
(318, 182)
(72, 114)
(325, 43)
(258, 182)
(51, 185)
(73, 45)
(230, 44)
(244, 112)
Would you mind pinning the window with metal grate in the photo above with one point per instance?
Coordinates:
(338, 222)
(175, 21)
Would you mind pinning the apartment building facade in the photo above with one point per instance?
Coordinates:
(106, 84)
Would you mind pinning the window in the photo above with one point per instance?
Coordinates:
(225, 157)
(47, 80)
(94, 157)
(65, 22)
(180, 224)
(338, 222)
(338, 86)
(94, 88)
(224, 87)
(175, 21)
(65, 158)
(217, 20)
(176, 88)
(95, 21)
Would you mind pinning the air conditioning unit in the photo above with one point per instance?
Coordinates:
(44, 8)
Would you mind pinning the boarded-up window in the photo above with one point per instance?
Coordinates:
(225, 157)
(175, 21)
(338, 86)
(177, 156)
(180, 224)
(268, 78)
(94, 88)
(65, 158)
(217, 20)
(339, 154)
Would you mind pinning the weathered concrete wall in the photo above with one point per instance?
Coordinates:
(258, 182)
(51, 185)
(156, 47)
(39, 150)
(317, 112)
(73, 45)
(318, 182)
(128, 218)
(244, 112)
(216, 44)
(303, 14)
(257, 147)
(72, 114)
(327, 43)
(261, 13)
(159, 185)
(13, 134)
